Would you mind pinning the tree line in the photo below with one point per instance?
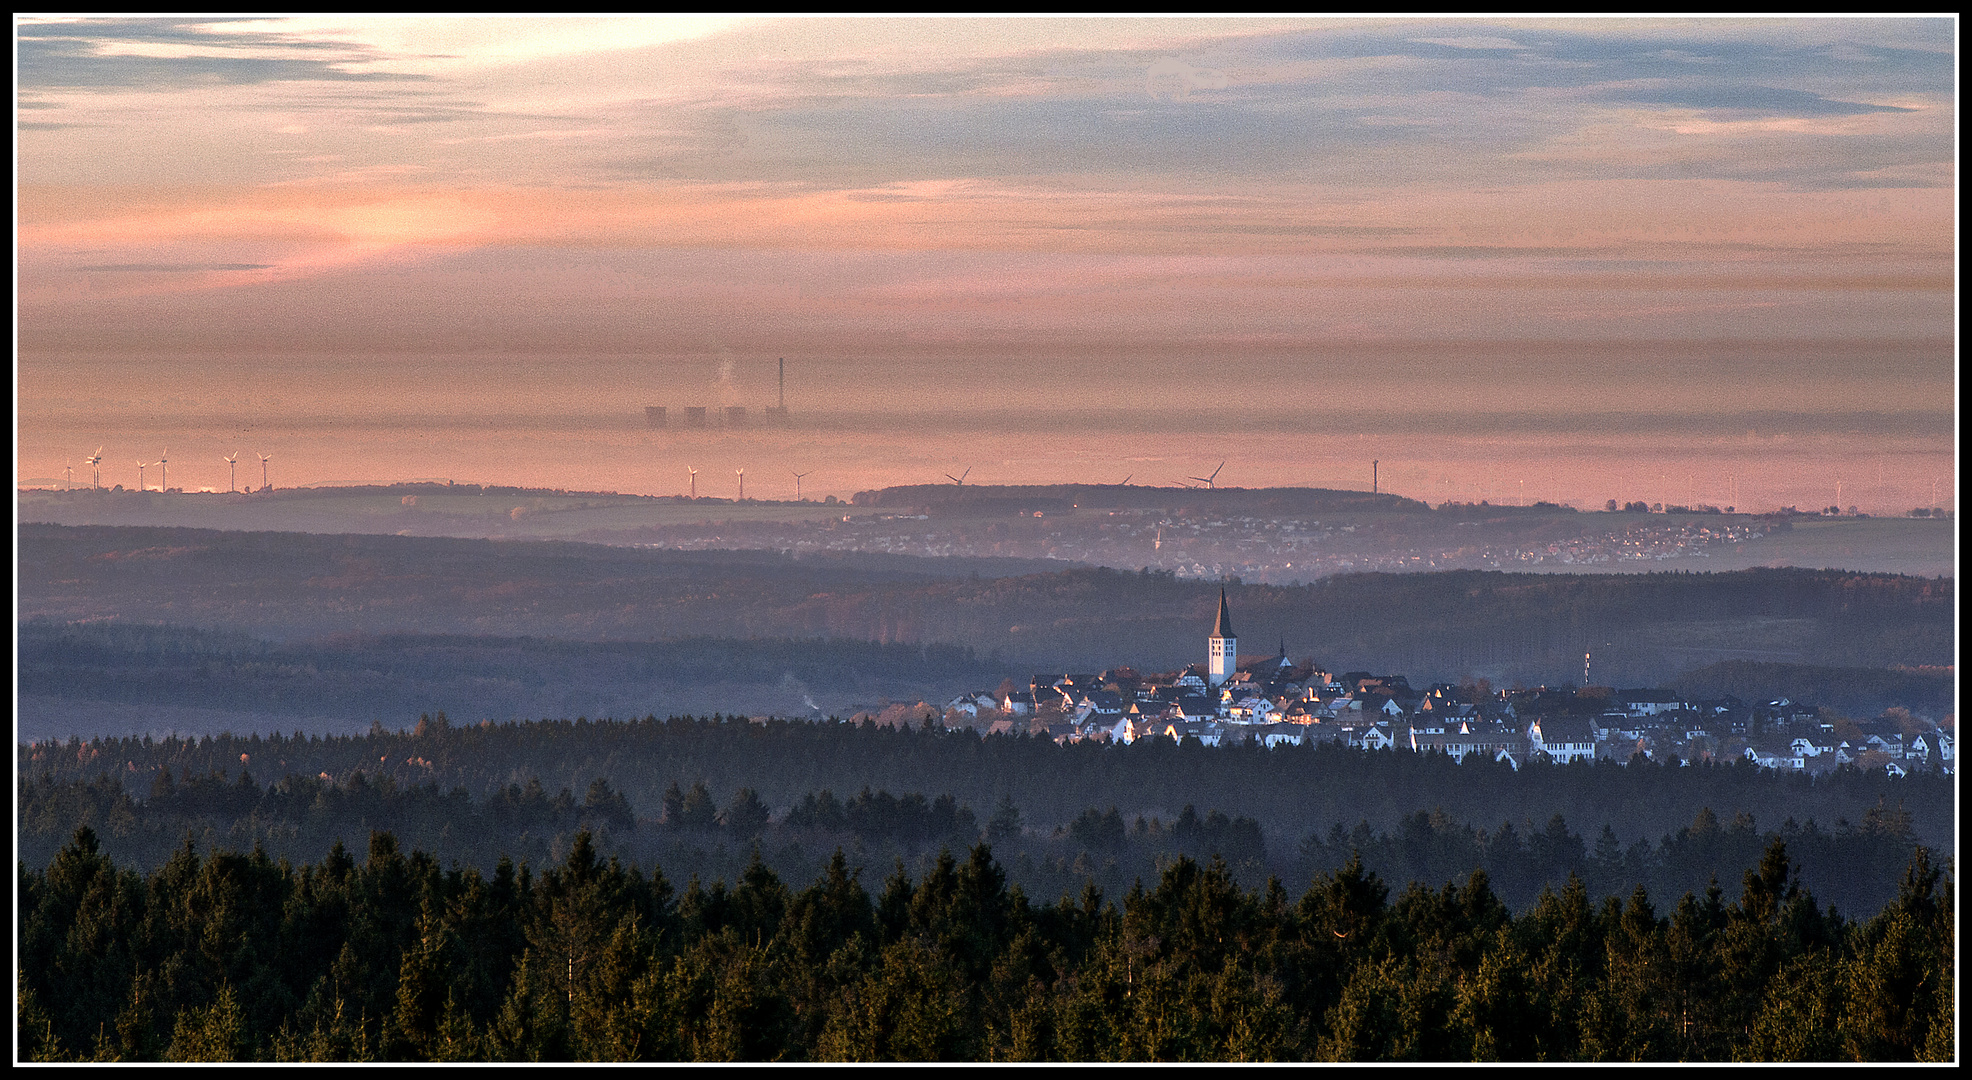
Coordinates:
(238, 957)
(1290, 791)
(1856, 692)
(1853, 867)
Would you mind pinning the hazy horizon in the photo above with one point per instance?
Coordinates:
(1573, 260)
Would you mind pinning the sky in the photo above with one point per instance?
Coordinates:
(1694, 259)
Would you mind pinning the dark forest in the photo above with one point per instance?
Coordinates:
(238, 957)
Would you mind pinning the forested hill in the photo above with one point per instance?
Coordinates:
(1642, 628)
(951, 499)
(109, 678)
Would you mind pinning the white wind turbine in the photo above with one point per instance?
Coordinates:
(1207, 480)
(141, 466)
(69, 472)
(161, 459)
(694, 473)
(960, 478)
(264, 459)
(797, 483)
(742, 478)
(233, 480)
(96, 468)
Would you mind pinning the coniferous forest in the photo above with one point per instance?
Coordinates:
(172, 907)
(237, 957)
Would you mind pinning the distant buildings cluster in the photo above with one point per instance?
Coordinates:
(1258, 549)
(1274, 701)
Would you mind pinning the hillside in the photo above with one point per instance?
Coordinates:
(153, 630)
(1641, 627)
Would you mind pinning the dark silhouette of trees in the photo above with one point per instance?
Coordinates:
(223, 956)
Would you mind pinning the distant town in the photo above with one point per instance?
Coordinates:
(1260, 536)
(1259, 549)
(1274, 701)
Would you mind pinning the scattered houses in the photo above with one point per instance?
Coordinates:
(1273, 701)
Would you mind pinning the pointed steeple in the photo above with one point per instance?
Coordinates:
(1221, 650)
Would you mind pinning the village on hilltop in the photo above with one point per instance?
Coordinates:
(1273, 701)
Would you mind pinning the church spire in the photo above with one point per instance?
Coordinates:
(1222, 650)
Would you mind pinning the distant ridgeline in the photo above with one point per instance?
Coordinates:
(1644, 629)
(999, 498)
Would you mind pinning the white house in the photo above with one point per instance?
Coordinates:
(1285, 735)
(1562, 738)
(1206, 732)
(1253, 710)
(1375, 737)
(1650, 702)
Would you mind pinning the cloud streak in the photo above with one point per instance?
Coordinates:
(1243, 190)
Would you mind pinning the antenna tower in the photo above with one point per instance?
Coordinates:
(777, 413)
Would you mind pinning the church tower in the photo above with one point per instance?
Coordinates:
(1222, 647)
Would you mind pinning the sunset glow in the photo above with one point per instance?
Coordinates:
(1579, 258)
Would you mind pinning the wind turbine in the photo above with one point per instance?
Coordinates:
(960, 478)
(232, 482)
(1207, 480)
(161, 459)
(1126, 481)
(69, 472)
(694, 473)
(797, 483)
(742, 476)
(96, 471)
(141, 466)
(264, 459)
